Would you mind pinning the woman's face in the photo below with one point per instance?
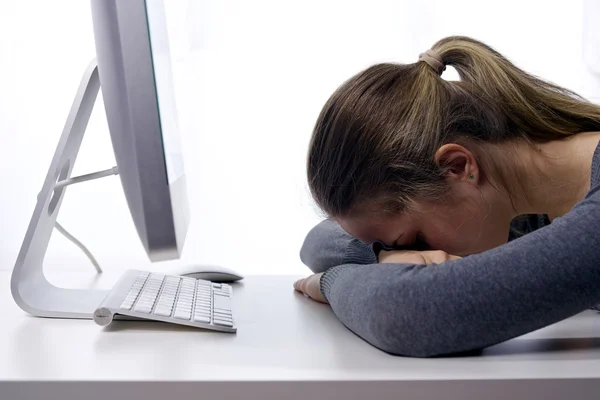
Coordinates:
(474, 220)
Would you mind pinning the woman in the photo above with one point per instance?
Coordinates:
(402, 159)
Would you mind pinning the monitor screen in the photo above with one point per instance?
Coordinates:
(134, 65)
(161, 60)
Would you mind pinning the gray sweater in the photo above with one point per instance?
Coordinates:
(530, 282)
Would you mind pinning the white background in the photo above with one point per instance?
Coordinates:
(251, 77)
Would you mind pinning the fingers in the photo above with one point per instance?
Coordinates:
(298, 284)
(403, 257)
(437, 256)
(415, 257)
(301, 285)
(311, 288)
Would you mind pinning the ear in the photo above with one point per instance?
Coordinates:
(457, 162)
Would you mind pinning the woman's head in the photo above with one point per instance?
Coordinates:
(397, 150)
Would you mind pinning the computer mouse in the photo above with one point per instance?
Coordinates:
(211, 273)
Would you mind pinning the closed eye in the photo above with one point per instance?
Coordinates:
(419, 244)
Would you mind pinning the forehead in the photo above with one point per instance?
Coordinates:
(385, 228)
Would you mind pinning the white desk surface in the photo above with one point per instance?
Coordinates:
(286, 347)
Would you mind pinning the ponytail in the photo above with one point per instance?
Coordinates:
(534, 108)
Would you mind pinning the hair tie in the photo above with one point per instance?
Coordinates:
(433, 59)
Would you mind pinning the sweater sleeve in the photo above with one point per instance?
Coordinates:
(480, 300)
(328, 245)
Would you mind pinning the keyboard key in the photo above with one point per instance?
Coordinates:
(202, 318)
(129, 301)
(201, 314)
(182, 314)
(223, 323)
(165, 312)
(142, 308)
(164, 305)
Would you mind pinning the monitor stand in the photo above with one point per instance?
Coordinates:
(30, 288)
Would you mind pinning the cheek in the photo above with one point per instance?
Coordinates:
(464, 235)
(443, 238)
(454, 231)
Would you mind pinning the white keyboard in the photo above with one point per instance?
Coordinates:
(166, 298)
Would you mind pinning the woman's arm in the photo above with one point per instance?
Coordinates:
(471, 303)
(328, 245)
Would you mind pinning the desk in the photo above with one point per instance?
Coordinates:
(287, 347)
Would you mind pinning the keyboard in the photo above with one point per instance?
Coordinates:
(169, 298)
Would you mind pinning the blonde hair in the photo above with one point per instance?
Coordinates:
(375, 138)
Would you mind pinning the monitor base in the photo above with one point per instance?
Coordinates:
(29, 286)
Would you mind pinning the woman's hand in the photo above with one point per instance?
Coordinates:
(415, 257)
(311, 287)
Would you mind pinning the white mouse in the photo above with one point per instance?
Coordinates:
(211, 273)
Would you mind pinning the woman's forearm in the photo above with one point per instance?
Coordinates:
(328, 245)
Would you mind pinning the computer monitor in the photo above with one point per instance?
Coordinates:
(133, 70)
(132, 52)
